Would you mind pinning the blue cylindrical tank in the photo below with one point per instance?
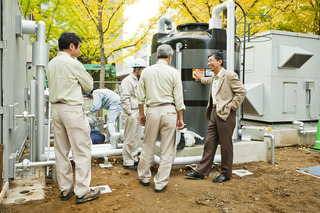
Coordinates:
(197, 43)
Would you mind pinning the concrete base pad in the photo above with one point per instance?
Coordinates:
(28, 188)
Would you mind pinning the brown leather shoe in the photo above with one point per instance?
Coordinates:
(93, 194)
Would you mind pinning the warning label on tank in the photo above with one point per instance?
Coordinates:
(203, 72)
(196, 72)
(209, 73)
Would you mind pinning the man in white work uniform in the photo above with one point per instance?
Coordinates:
(130, 115)
(67, 78)
(160, 88)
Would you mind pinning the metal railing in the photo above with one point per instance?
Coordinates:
(112, 85)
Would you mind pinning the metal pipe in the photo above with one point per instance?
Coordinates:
(301, 128)
(28, 27)
(40, 112)
(272, 146)
(99, 150)
(49, 126)
(25, 116)
(26, 164)
(215, 22)
(230, 35)
(187, 160)
(40, 58)
(164, 21)
(114, 140)
(244, 51)
(33, 98)
(178, 56)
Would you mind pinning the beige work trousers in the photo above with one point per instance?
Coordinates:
(132, 137)
(72, 132)
(160, 121)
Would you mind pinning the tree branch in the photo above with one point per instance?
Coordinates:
(145, 34)
(113, 14)
(92, 16)
(188, 10)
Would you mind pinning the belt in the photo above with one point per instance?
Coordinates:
(167, 104)
(164, 104)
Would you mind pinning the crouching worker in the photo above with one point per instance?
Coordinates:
(109, 100)
(130, 115)
(67, 78)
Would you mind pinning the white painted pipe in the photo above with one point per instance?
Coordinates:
(187, 160)
(97, 151)
(164, 21)
(178, 57)
(40, 57)
(28, 27)
(272, 146)
(34, 164)
(302, 130)
(215, 22)
(103, 153)
(230, 35)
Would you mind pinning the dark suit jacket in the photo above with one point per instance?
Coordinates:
(230, 94)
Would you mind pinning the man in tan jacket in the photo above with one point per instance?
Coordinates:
(226, 95)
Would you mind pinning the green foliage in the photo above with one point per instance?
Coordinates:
(301, 16)
(98, 22)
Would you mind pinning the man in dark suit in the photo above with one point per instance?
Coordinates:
(226, 95)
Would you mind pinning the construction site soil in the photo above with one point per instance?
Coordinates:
(271, 188)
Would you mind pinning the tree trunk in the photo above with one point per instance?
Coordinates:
(102, 57)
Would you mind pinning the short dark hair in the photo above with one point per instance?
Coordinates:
(66, 38)
(217, 56)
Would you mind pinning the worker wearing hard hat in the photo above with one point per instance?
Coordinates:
(130, 115)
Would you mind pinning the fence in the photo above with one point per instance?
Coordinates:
(112, 85)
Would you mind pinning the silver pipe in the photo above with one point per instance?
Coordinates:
(164, 21)
(40, 112)
(49, 126)
(97, 151)
(178, 56)
(187, 160)
(28, 27)
(33, 97)
(272, 146)
(26, 164)
(25, 116)
(40, 58)
(302, 130)
(215, 22)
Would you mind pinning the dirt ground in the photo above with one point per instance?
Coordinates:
(278, 188)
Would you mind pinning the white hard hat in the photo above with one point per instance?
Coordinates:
(139, 62)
